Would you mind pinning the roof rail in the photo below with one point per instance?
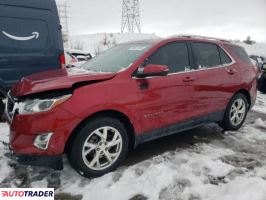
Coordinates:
(201, 37)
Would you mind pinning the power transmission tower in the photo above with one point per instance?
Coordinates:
(130, 16)
(64, 13)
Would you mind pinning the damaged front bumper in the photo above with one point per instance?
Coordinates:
(54, 162)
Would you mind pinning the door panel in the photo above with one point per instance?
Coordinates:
(213, 89)
(217, 78)
(165, 100)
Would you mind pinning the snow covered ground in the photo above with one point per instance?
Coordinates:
(258, 49)
(201, 164)
(93, 42)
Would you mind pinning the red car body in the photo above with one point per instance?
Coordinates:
(152, 107)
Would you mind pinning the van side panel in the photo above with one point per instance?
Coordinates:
(30, 39)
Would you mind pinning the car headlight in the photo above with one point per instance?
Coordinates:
(40, 105)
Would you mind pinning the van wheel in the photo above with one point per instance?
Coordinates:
(2, 109)
(99, 147)
(236, 113)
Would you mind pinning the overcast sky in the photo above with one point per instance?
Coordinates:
(231, 19)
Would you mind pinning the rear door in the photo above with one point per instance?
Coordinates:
(29, 41)
(168, 99)
(217, 77)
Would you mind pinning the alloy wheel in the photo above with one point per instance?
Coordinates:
(102, 148)
(237, 112)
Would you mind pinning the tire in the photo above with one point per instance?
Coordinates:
(91, 155)
(231, 123)
(2, 109)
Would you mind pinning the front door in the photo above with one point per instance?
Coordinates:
(167, 100)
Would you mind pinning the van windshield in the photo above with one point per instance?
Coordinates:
(117, 58)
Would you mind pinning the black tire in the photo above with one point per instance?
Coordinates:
(2, 109)
(227, 123)
(77, 146)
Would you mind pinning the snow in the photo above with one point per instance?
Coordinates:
(258, 49)
(91, 42)
(260, 105)
(4, 167)
(208, 165)
(222, 167)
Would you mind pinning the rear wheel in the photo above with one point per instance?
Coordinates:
(235, 113)
(99, 147)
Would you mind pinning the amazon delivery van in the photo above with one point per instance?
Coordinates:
(30, 40)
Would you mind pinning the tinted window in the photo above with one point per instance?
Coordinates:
(23, 35)
(224, 57)
(206, 55)
(174, 55)
(241, 53)
(117, 58)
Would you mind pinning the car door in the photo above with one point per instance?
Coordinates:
(216, 77)
(167, 100)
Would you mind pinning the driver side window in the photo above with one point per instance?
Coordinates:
(174, 55)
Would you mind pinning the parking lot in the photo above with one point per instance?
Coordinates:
(204, 163)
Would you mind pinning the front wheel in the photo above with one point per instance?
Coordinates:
(99, 147)
(235, 113)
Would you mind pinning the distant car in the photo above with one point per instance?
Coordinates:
(130, 94)
(82, 58)
(30, 41)
(258, 60)
(80, 55)
(70, 59)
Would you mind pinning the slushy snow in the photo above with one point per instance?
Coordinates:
(230, 166)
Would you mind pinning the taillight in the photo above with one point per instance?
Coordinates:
(62, 61)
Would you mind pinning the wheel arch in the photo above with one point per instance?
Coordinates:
(247, 95)
(105, 113)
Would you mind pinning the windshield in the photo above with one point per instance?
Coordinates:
(117, 58)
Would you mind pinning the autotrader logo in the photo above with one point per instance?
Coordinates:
(26, 193)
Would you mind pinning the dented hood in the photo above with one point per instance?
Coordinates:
(56, 79)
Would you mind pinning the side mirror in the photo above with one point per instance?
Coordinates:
(152, 70)
(263, 67)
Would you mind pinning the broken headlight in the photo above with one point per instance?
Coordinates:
(30, 106)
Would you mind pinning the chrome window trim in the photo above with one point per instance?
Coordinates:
(196, 70)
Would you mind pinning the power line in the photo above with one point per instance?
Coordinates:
(130, 16)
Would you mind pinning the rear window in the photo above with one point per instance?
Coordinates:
(240, 53)
(225, 59)
(206, 55)
(23, 35)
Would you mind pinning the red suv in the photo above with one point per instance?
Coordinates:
(130, 94)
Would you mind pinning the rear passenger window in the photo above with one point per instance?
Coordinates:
(241, 53)
(225, 59)
(23, 35)
(174, 55)
(206, 55)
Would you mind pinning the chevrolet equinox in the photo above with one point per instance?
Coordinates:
(130, 94)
